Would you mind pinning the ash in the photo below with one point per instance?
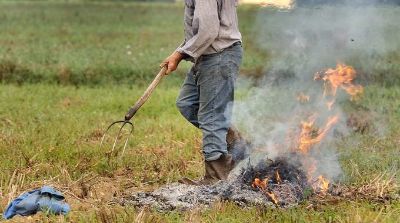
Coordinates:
(237, 189)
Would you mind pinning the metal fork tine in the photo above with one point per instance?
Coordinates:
(116, 138)
(127, 139)
(108, 128)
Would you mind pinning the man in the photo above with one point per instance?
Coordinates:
(213, 44)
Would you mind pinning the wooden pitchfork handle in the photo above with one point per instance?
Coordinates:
(132, 111)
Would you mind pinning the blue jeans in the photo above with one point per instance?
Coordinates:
(207, 95)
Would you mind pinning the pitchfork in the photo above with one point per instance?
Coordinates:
(132, 111)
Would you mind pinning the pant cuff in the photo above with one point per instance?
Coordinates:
(213, 156)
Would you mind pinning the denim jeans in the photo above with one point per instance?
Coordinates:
(207, 95)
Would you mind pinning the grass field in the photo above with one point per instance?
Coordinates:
(94, 43)
(59, 66)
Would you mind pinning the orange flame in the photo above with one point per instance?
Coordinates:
(273, 197)
(341, 77)
(310, 135)
(262, 185)
(257, 183)
(278, 177)
(321, 185)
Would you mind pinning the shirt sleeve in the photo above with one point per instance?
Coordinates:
(207, 20)
(185, 55)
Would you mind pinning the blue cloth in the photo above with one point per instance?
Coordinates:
(206, 97)
(45, 199)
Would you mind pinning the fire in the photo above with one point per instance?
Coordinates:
(257, 183)
(278, 177)
(315, 128)
(310, 135)
(321, 185)
(341, 77)
(273, 197)
(262, 185)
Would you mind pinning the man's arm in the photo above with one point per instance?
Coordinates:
(206, 19)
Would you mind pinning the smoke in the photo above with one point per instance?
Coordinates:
(300, 43)
(308, 39)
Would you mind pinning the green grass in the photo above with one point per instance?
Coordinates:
(59, 66)
(89, 43)
(96, 43)
(50, 134)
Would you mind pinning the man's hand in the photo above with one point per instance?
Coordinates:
(172, 62)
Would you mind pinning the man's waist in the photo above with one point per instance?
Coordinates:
(217, 48)
(232, 47)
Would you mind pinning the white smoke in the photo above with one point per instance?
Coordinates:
(300, 43)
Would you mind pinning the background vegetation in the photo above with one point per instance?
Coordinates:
(95, 43)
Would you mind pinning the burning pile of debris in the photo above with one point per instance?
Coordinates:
(285, 187)
(282, 182)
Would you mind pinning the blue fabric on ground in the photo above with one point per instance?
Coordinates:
(45, 199)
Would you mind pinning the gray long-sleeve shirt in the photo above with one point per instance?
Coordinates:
(210, 27)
